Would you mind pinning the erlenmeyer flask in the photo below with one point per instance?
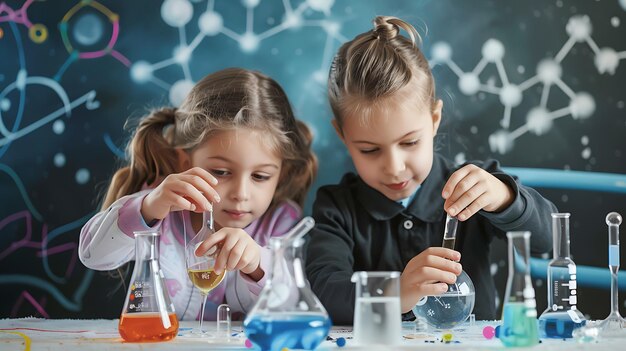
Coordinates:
(519, 314)
(377, 312)
(148, 314)
(561, 317)
(287, 313)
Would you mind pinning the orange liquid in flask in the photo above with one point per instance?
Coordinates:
(147, 327)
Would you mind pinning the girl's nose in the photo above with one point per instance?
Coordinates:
(241, 191)
(394, 163)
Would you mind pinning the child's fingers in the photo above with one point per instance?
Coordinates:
(467, 199)
(213, 240)
(178, 203)
(207, 193)
(186, 190)
(462, 187)
(434, 289)
(222, 257)
(235, 256)
(430, 275)
(443, 252)
(454, 179)
(477, 205)
(208, 177)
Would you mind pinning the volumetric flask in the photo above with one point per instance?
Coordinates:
(148, 314)
(287, 313)
(519, 314)
(377, 311)
(451, 308)
(614, 325)
(561, 317)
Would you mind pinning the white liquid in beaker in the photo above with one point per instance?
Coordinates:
(377, 320)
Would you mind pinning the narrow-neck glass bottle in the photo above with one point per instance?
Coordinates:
(562, 316)
(519, 314)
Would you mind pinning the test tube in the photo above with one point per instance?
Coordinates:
(449, 234)
(223, 321)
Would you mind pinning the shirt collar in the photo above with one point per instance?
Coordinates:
(407, 200)
(427, 205)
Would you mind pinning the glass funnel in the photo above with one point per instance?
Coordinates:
(519, 314)
(453, 307)
(287, 313)
(561, 317)
(148, 314)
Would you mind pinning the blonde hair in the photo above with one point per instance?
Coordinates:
(375, 65)
(225, 100)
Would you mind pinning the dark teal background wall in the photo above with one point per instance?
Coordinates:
(72, 73)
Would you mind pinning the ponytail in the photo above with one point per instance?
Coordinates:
(151, 155)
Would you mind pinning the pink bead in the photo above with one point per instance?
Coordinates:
(489, 332)
(248, 343)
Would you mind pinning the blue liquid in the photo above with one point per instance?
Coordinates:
(558, 325)
(275, 332)
(518, 329)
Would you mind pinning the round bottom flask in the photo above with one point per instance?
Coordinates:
(449, 309)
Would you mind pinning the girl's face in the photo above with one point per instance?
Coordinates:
(392, 149)
(247, 170)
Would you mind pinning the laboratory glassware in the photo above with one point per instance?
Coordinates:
(200, 269)
(451, 308)
(148, 313)
(614, 324)
(519, 314)
(377, 311)
(287, 313)
(562, 316)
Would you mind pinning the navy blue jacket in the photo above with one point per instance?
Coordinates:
(359, 229)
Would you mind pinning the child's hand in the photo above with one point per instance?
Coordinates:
(428, 273)
(471, 189)
(190, 190)
(237, 251)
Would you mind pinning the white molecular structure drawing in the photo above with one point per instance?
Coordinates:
(539, 119)
(178, 13)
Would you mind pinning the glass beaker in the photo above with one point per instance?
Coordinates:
(148, 314)
(451, 308)
(561, 317)
(287, 313)
(377, 311)
(519, 314)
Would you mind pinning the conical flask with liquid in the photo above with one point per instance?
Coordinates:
(562, 316)
(287, 313)
(148, 313)
(519, 313)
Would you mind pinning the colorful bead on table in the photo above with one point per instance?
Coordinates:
(341, 342)
(489, 332)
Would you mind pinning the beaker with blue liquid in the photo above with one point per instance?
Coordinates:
(562, 316)
(519, 314)
(287, 313)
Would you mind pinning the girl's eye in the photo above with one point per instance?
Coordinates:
(369, 151)
(219, 172)
(411, 143)
(261, 177)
